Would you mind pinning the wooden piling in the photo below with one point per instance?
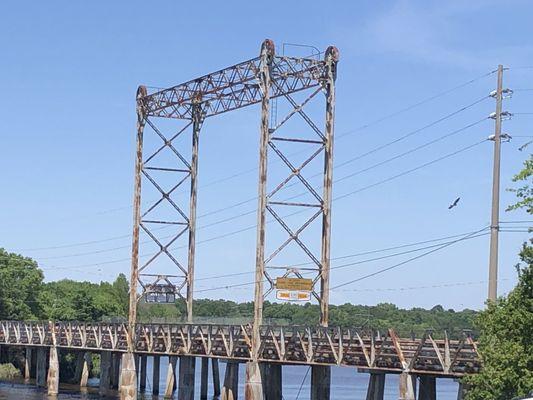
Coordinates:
(186, 378)
(115, 369)
(40, 371)
(461, 391)
(27, 364)
(204, 377)
(171, 377)
(216, 377)
(230, 389)
(427, 389)
(320, 382)
(105, 372)
(143, 365)
(376, 387)
(272, 381)
(156, 374)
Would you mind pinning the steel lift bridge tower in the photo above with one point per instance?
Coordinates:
(291, 84)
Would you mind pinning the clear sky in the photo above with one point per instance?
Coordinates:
(69, 72)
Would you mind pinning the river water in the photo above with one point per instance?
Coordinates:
(346, 384)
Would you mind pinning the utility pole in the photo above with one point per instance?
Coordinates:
(495, 216)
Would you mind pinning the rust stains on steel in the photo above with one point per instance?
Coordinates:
(288, 345)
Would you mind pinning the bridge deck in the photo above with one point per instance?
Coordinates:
(287, 345)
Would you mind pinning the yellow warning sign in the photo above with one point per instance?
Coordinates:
(299, 284)
(293, 295)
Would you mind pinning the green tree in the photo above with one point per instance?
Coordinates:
(506, 326)
(20, 284)
(524, 193)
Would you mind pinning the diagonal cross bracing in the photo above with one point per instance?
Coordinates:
(233, 87)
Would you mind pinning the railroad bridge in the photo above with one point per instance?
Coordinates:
(419, 360)
(293, 93)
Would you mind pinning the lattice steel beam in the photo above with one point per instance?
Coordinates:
(234, 87)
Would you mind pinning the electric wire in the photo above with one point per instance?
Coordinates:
(238, 174)
(405, 261)
(440, 247)
(455, 132)
(404, 173)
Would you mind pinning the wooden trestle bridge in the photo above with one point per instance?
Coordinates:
(425, 358)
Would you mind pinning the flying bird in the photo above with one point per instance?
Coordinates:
(454, 203)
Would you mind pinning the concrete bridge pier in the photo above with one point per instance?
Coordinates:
(128, 377)
(142, 372)
(53, 372)
(171, 377)
(40, 367)
(271, 377)
(186, 378)
(230, 389)
(156, 373)
(376, 386)
(320, 382)
(407, 386)
(83, 367)
(86, 369)
(253, 388)
(427, 388)
(105, 373)
(216, 377)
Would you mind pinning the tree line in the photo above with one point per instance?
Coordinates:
(25, 296)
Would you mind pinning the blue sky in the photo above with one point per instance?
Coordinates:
(69, 73)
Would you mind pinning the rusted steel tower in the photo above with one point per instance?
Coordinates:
(295, 81)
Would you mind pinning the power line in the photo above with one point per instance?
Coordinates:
(335, 199)
(339, 136)
(354, 255)
(364, 253)
(463, 149)
(406, 261)
(414, 132)
(440, 246)
(408, 108)
(434, 286)
(401, 253)
(243, 202)
(453, 133)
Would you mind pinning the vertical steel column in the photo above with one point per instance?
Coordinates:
(331, 58)
(128, 386)
(197, 118)
(132, 315)
(253, 388)
(495, 215)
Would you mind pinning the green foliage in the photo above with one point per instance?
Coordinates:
(506, 342)
(20, 284)
(69, 300)
(381, 316)
(524, 193)
(8, 372)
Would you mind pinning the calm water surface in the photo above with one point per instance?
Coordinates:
(346, 384)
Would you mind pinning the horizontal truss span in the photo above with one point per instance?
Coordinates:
(288, 345)
(234, 87)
